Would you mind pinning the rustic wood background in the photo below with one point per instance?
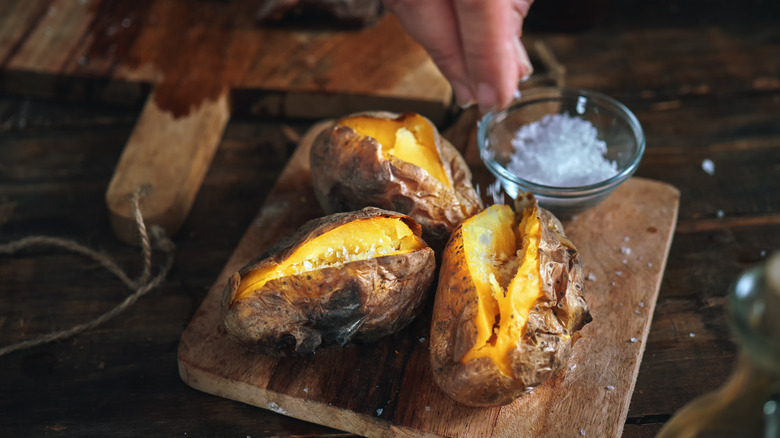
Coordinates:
(702, 77)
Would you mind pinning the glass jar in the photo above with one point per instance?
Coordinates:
(748, 404)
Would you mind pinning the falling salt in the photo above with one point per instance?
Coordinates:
(692, 334)
(560, 150)
(494, 191)
(708, 166)
(720, 213)
(591, 277)
(379, 412)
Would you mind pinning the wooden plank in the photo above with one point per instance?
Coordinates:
(64, 44)
(167, 157)
(387, 388)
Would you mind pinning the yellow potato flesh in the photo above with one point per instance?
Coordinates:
(503, 260)
(409, 138)
(357, 240)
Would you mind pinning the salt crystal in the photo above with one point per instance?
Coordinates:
(306, 390)
(610, 388)
(763, 253)
(560, 150)
(625, 261)
(625, 250)
(708, 166)
(633, 340)
(618, 273)
(720, 213)
(379, 412)
(427, 408)
(637, 312)
(641, 304)
(572, 367)
(582, 431)
(626, 239)
(591, 277)
(649, 264)
(692, 334)
(494, 191)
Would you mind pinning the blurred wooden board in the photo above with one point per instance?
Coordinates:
(115, 50)
(387, 388)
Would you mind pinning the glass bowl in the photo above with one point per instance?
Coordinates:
(614, 124)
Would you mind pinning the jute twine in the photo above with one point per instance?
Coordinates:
(139, 287)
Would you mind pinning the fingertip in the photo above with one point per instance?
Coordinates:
(463, 95)
(487, 97)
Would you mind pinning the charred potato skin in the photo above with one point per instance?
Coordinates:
(356, 302)
(552, 329)
(349, 172)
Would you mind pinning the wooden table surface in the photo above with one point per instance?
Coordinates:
(703, 78)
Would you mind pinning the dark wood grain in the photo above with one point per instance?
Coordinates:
(702, 79)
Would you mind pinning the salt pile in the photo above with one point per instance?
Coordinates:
(560, 150)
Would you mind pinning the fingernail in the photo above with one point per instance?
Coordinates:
(463, 96)
(522, 56)
(486, 97)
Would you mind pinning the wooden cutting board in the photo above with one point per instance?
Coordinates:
(386, 389)
(117, 50)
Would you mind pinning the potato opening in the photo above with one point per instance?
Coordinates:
(409, 137)
(502, 255)
(357, 240)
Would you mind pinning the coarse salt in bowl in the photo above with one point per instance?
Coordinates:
(570, 148)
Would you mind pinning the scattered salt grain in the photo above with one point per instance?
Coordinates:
(618, 273)
(613, 283)
(610, 388)
(427, 408)
(763, 253)
(560, 150)
(572, 367)
(641, 304)
(379, 412)
(649, 264)
(633, 340)
(625, 261)
(637, 312)
(591, 277)
(692, 334)
(582, 431)
(625, 250)
(626, 239)
(720, 213)
(306, 390)
(421, 339)
(494, 191)
(708, 166)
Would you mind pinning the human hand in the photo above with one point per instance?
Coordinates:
(475, 43)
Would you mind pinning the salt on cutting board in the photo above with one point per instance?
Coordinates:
(387, 388)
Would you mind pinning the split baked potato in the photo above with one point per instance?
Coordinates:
(508, 306)
(396, 162)
(345, 278)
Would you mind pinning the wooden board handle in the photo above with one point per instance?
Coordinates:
(168, 158)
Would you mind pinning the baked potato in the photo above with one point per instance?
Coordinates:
(396, 162)
(508, 306)
(345, 278)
